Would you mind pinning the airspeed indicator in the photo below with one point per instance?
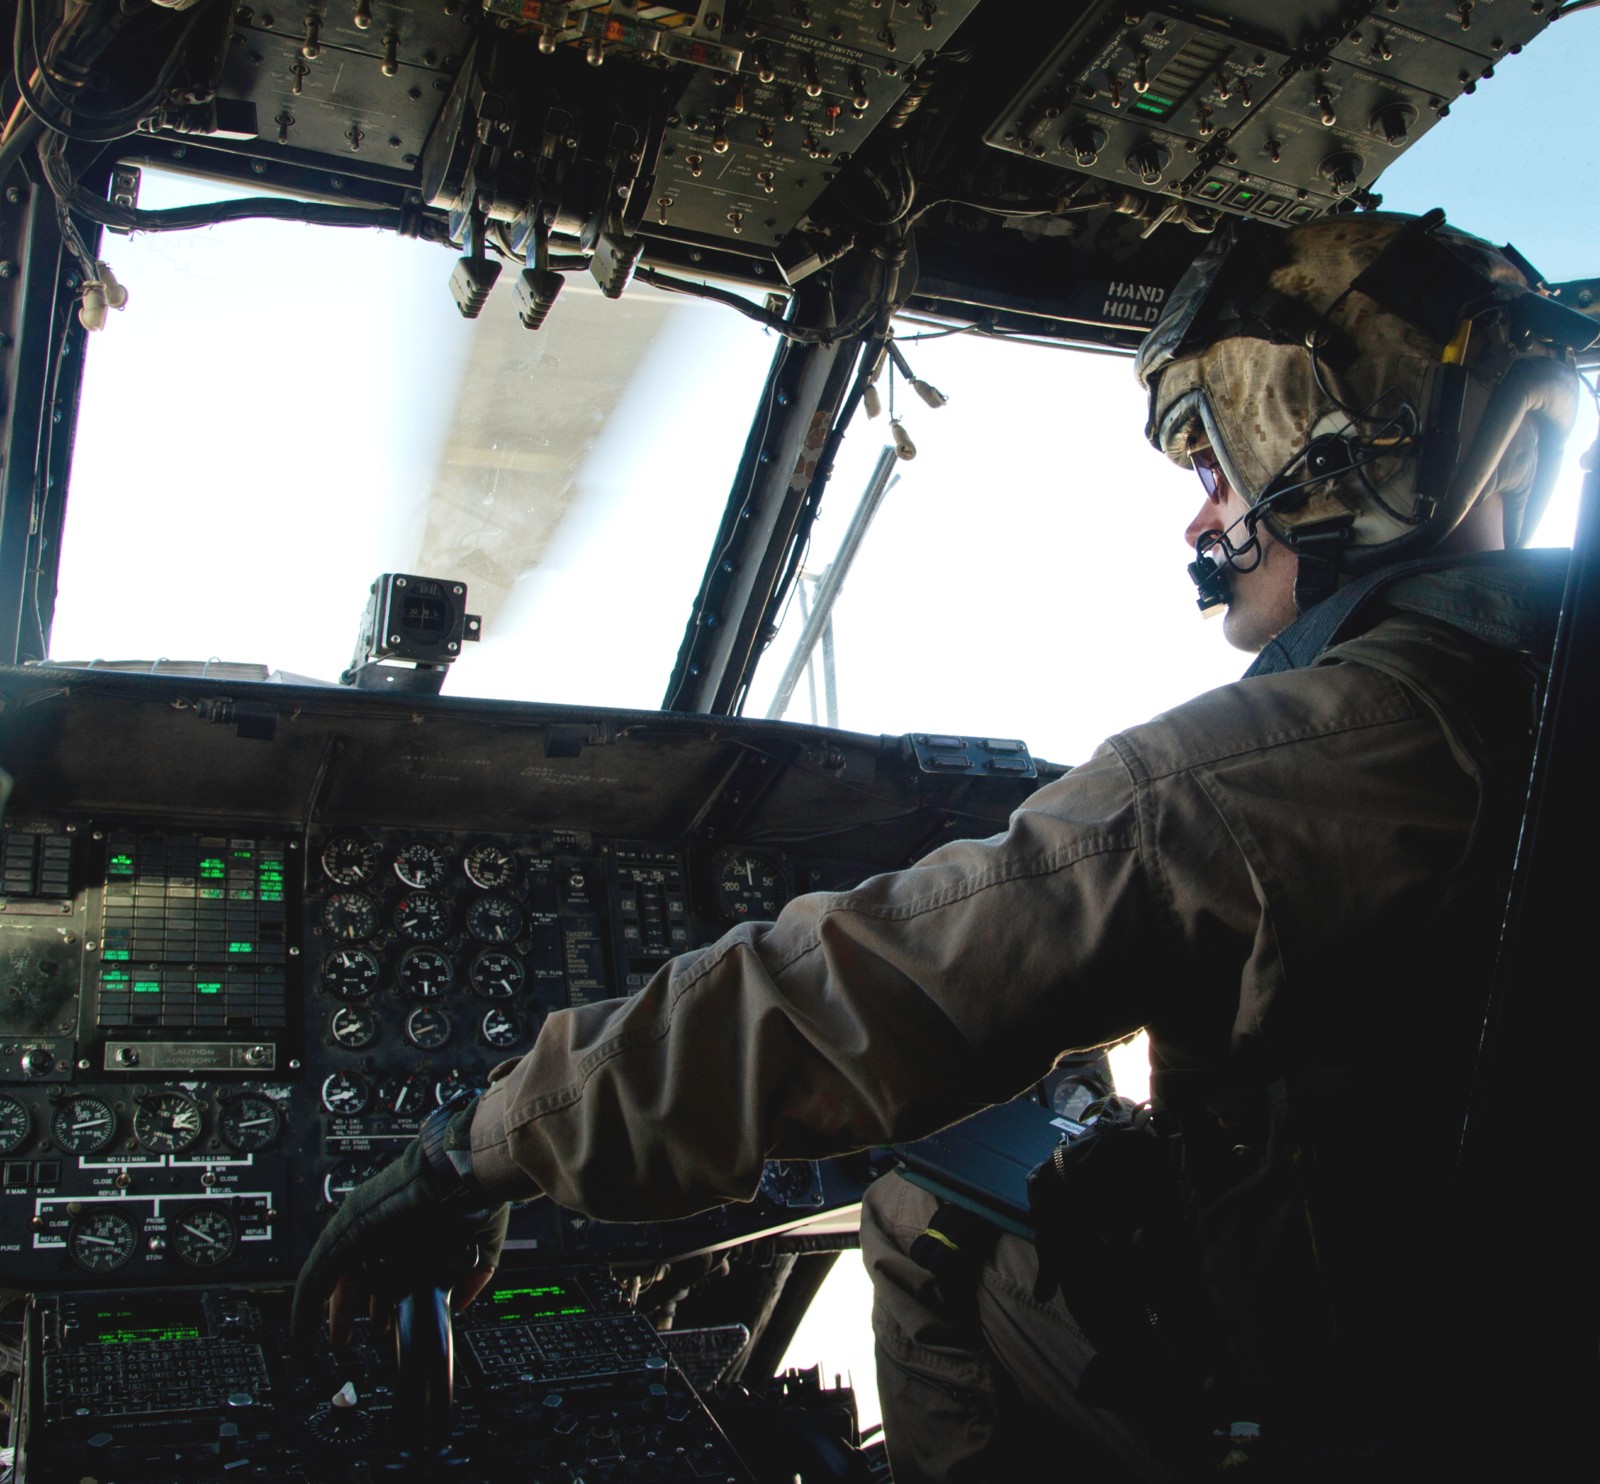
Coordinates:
(750, 887)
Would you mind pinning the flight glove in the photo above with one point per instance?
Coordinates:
(419, 1223)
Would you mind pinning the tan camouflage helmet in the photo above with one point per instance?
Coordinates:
(1369, 377)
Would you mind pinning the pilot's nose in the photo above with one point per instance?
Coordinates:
(1207, 518)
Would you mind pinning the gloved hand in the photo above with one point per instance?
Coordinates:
(407, 1228)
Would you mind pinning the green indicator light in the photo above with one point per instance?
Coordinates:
(241, 948)
(244, 855)
(1244, 197)
(208, 987)
(120, 954)
(1157, 98)
(122, 863)
(114, 976)
(146, 986)
(212, 893)
(272, 896)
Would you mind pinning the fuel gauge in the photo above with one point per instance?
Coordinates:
(249, 1122)
(205, 1236)
(83, 1125)
(101, 1240)
(167, 1123)
(15, 1124)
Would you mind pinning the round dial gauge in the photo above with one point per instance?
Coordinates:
(348, 860)
(343, 1178)
(350, 973)
(83, 1125)
(248, 1122)
(428, 1028)
(350, 916)
(426, 973)
(495, 975)
(750, 887)
(167, 1123)
(421, 863)
(449, 1085)
(490, 866)
(406, 1097)
(345, 1093)
(422, 916)
(353, 1028)
(101, 1240)
(500, 1028)
(15, 1124)
(494, 919)
(204, 1236)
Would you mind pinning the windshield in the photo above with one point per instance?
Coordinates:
(284, 412)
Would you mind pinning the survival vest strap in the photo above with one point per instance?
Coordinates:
(953, 1247)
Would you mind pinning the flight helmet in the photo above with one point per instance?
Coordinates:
(1361, 382)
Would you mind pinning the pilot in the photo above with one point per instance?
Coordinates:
(1268, 878)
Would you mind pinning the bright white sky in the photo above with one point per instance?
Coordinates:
(261, 426)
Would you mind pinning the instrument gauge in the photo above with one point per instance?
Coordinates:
(428, 1028)
(343, 1178)
(353, 1028)
(426, 973)
(422, 864)
(350, 973)
(204, 1236)
(350, 916)
(496, 975)
(494, 919)
(16, 1123)
(83, 1125)
(167, 1122)
(346, 1094)
(249, 1122)
(750, 887)
(449, 1085)
(101, 1240)
(348, 860)
(500, 1028)
(490, 866)
(422, 917)
(405, 1097)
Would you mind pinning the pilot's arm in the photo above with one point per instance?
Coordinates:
(857, 1018)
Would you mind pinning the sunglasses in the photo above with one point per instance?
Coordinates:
(1204, 463)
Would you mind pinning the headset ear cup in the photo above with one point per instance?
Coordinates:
(1329, 456)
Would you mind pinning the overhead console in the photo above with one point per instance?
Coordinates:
(251, 935)
(1039, 152)
(1267, 111)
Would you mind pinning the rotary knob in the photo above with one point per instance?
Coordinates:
(38, 1061)
(1084, 142)
(1147, 161)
